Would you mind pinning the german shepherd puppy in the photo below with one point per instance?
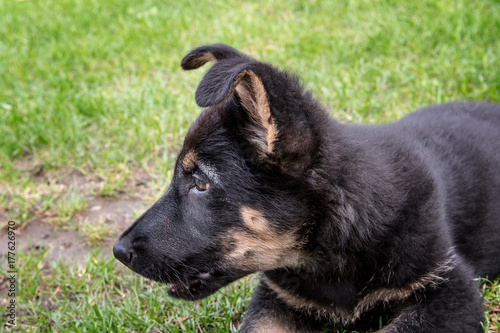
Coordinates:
(347, 224)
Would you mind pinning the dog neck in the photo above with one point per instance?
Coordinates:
(377, 187)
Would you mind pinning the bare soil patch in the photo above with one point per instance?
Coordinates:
(71, 245)
(99, 224)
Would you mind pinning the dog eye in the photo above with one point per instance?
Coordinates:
(200, 184)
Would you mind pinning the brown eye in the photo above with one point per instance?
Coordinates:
(200, 184)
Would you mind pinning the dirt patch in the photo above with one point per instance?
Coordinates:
(66, 212)
(39, 235)
(73, 245)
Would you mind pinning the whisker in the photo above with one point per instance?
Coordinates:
(180, 280)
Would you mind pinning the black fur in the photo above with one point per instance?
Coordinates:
(390, 221)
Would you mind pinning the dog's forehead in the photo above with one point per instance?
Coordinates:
(204, 128)
(200, 144)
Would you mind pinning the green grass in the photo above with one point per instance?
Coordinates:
(95, 87)
(99, 297)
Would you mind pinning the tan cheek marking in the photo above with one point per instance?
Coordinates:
(188, 160)
(261, 248)
(256, 222)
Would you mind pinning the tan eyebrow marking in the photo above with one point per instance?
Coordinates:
(188, 161)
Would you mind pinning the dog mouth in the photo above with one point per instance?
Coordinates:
(199, 286)
(188, 281)
(191, 286)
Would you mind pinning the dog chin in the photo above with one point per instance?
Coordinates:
(197, 287)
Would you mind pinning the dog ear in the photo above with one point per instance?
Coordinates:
(225, 78)
(231, 72)
(279, 125)
(218, 83)
(214, 53)
(262, 131)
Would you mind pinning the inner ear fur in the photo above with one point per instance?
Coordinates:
(211, 53)
(253, 97)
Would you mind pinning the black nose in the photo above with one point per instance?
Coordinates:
(122, 253)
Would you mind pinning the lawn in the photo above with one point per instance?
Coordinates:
(94, 107)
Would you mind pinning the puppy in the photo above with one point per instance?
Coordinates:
(349, 225)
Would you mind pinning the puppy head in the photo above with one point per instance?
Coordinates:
(238, 201)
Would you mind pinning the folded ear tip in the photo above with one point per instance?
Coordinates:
(185, 64)
(202, 102)
(215, 52)
(196, 59)
(206, 96)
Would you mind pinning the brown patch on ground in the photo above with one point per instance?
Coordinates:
(39, 235)
(73, 245)
(49, 192)
(99, 223)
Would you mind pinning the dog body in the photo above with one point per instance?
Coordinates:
(347, 223)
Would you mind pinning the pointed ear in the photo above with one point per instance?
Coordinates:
(227, 77)
(263, 131)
